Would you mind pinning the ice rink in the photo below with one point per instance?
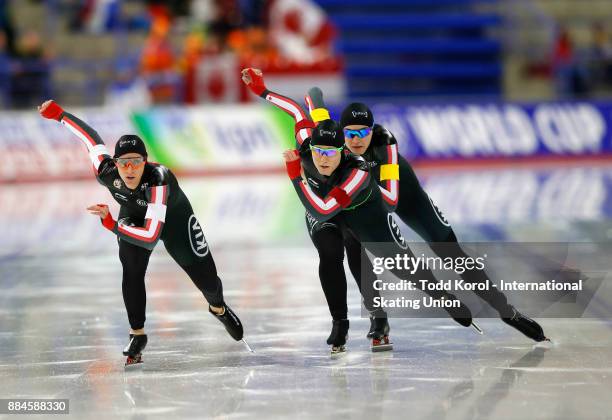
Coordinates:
(63, 323)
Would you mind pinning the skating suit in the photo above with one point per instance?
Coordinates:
(156, 209)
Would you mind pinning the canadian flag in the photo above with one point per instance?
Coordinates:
(217, 80)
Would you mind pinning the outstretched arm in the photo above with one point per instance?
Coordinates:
(254, 80)
(340, 197)
(88, 136)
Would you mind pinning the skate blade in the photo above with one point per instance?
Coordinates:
(382, 347)
(247, 346)
(337, 352)
(477, 328)
(547, 343)
(133, 363)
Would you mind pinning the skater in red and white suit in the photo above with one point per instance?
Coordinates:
(153, 207)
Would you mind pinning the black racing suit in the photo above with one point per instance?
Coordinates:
(401, 188)
(365, 221)
(330, 226)
(332, 236)
(156, 209)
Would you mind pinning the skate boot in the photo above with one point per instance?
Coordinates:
(462, 315)
(134, 349)
(524, 324)
(230, 321)
(337, 338)
(379, 333)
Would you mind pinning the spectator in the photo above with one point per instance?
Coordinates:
(158, 64)
(568, 77)
(253, 46)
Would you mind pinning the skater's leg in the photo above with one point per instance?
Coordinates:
(379, 324)
(450, 248)
(134, 260)
(204, 275)
(185, 241)
(328, 240)
(373, 228)
(364, 279)
(329, 244)
(498, 300)
(353, 256)
(419, 212)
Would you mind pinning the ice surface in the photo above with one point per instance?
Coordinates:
(63, 326)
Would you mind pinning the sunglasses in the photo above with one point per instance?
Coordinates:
(135, 162)
(326, 152)
(361, 133)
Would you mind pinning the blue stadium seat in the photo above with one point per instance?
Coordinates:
(418, 47)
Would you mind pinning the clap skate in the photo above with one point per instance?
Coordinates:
(134, 349)
(462, 315)
(232, 325)
(338, 336)
(525, 325)
(379, 333)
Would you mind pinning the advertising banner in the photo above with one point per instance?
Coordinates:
(498, 130)
(226, 139)
(220, 138)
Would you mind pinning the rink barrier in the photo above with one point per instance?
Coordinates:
(248, 139)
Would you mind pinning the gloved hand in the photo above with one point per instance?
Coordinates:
(103, 212)
(51, 110)
(293, 164)
(254, 80)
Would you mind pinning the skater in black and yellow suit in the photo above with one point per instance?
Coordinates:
(400, 187)
(343, 206)
(327, 237)
(153, 207)
(378, 148)
(340, 195)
